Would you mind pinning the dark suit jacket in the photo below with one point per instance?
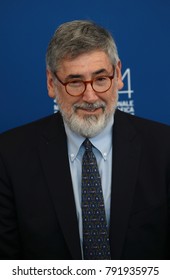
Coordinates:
(37, 209)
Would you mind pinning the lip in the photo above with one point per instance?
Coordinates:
(90, 110)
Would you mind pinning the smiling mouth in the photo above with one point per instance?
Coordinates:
(91, 108)
(91, 111)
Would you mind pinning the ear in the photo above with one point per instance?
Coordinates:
(120, 83)
(50, 84)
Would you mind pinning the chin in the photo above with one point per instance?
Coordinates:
(87, 125)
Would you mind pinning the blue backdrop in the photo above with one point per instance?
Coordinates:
(141, 29)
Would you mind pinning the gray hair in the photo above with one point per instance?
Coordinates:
(78, 37)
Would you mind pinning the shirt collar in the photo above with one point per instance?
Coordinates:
(102, 141)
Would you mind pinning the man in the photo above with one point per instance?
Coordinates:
(46, 208)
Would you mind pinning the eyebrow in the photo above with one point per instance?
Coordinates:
(74, 76)
(103, 70)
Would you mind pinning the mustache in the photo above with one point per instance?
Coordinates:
(90, 106)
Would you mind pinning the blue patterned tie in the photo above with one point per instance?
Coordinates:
(95, 232)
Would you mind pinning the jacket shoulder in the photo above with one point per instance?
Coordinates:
(142, 124)
(29, 134)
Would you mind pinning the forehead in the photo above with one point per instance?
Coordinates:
(85, 63)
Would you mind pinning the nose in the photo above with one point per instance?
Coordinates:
(89, 95)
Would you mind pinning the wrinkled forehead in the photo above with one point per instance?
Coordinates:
(97, 59)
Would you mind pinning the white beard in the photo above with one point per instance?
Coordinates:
(89, 125)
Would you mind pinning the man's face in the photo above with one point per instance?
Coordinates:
(88, 113)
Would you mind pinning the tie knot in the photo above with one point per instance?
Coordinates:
(88, 145)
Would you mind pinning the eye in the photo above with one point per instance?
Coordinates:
(101, 80)
(75, 83)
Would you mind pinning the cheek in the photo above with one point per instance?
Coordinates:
(111, 98)
(114, 94)
(111, 102)
(64, 102)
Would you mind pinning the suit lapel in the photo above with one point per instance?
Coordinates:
(54, 159)
(126, 155)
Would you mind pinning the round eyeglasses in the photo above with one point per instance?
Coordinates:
(77, 87)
